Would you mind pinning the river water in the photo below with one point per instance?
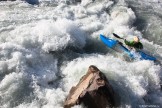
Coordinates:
(45, 49)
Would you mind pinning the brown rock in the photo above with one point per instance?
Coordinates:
(93, 90)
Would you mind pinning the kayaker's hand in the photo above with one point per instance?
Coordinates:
(120, 43)
(125, 40)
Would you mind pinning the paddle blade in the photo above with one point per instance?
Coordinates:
(117, 36)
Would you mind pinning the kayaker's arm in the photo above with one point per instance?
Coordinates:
(128, 43)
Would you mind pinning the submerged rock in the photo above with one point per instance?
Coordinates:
(93, 90)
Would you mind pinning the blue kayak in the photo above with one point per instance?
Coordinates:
(117, 46)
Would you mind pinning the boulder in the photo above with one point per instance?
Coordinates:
(93, 90)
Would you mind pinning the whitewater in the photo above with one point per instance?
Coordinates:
(45, 49)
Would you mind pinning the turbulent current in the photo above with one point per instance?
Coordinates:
(45, 49)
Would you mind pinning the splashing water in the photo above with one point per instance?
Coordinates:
(46, 49)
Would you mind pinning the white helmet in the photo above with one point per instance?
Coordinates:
(136, 39)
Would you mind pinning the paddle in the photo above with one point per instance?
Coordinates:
(117, 36)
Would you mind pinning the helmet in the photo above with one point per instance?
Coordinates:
(136, 39)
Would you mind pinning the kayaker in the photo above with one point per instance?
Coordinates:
(136, 44)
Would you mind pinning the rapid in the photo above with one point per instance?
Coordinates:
(45, 49)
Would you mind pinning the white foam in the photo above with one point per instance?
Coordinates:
(51, 35)
(28, 33)
(15, 57)
(9, 86)
(85, 2)
(122, 18)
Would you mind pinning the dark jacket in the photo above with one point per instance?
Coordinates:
(137, 45)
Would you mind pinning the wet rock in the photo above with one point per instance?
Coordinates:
(93, 90)
(33, 2)
(77, 0)
(7, 0)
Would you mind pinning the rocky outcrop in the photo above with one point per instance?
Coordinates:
(93, 90)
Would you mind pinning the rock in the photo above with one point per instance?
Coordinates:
(93, 90)
(32, 2)
(7, 0)
(77, 0)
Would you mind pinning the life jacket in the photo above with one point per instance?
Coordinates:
(137, 45)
